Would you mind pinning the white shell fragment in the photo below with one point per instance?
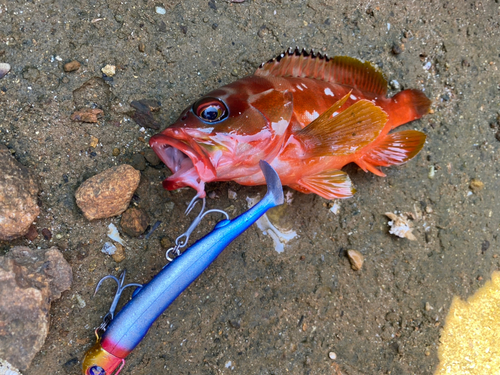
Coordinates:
(114, 235)
(160, 10)
(109, 248)
(280, 237)
(4, 69)
(7, 369)
(400, 226)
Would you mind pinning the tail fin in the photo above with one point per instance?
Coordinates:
(394, 149)
(274, 188)
(406, 106)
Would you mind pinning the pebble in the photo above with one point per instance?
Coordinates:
(398, 48)
(31, 235)
(160, 10)
(356, 259)
(109, 70)
(151, 157)
(108, 193)
(134, 222)
(4, 69)
(395, 85)
(116, 151)
(18, 205)
(332, 356)
(72, 66)
(29, 281)
(165, 243)
(47, 234)
(141, 47)
(138, 162)
(231, 194)
(119, 254)
(476, 185)
(90, 115)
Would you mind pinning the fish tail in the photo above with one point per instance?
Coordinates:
(393, 149)
(406, 106)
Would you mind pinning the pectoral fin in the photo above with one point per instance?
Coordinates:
(345, 133)
(328, 184)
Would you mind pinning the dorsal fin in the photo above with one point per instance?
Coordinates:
(342, 70)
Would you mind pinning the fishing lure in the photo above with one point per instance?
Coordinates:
(119, 335)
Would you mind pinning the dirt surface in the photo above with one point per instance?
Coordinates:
(255, 311)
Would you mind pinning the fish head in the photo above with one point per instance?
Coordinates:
(223, 136)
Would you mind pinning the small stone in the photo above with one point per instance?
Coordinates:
(116, 151)
(72, 66)
(151, 157)
(32, 234)
(4, 69)
(398, 48)
(356, 259)
(119, 18)
(47, 234)
(119, 254)
(332, 356)
(165, 243)
(141, 47)
(428, 307)
(400, 226)
(18, 197)
(138, 162)
(134, 222)
(395, 85)
(93, 141)
(109, 70)
(231, 194)
(90, 115)
(108, 193)
(160, 10)
(476, 185)
(29, 281)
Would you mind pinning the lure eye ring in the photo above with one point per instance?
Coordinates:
(210, 110)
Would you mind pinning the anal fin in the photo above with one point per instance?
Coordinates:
(328, 184)
(394, 149)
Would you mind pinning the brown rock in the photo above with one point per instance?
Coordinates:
(151, 157)
(476, 185)
(134, 221)
(29, 281)
(72, 66)
(108, 193)
(32, 233)
(18, 197)
(87, 115)
(356, 259)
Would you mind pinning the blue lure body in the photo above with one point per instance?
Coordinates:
(131, 324)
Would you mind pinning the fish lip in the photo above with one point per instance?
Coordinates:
(202, 168)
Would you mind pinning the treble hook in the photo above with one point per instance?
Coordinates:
(119, 290)
(183, 239)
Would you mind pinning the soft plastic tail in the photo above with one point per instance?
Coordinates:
(274, 187)
(406, 106)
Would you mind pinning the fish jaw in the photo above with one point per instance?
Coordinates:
(187, 161)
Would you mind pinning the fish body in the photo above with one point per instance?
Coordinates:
(306, 115)
(149, 301)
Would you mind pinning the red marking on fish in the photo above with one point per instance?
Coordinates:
(306, 115)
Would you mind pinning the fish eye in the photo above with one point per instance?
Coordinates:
(210, 110)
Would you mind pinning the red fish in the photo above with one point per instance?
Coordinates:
(305, 114)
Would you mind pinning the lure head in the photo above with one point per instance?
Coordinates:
(98, 361)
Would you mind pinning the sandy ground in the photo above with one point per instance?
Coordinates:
(255, 311)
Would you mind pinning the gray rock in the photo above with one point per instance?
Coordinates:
(29, 281)
(18, 197)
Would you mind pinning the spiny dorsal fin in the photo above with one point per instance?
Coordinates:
(328, 184)
(342, 70)
(352, 129)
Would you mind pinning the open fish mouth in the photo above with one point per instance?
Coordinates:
(187, 161)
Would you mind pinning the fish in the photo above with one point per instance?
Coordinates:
(304, 113)
(122, 333)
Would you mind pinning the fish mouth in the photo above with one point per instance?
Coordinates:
(188, 162)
